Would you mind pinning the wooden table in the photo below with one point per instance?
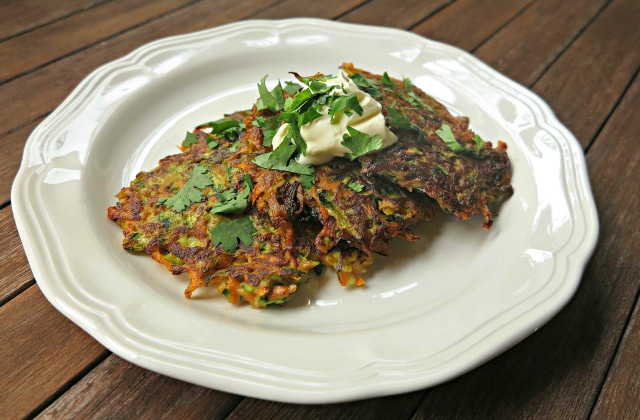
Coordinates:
(581, 56)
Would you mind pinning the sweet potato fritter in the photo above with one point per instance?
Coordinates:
(258, 233)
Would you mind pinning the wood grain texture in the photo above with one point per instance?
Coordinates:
(49, 350)
(618, 263)
(328, 9)
(14, 270)
(20, 16)
(529, 44)
(12, 145)
(392, 407)
(587, 81)
(468, 23)
(47, 43)
(36, 94)
(118, 389)
(385, 13)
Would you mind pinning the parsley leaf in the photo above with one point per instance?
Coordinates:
(360, 143)
(355, 186)
(479, 142)
(386, 80)
(189, 193)
(269, 128)
(272, 100)
(307, 181)
(282, 159)
(396, 119)
(446, 134)
(225, 128)
(230, 201)
(229, 232)
(344, 103)
(189, 139)
(369, 86)
(291, 87)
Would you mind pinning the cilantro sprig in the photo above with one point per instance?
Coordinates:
(360, 143)
(230, 201)
(190, 192)
(229, 232)
(446, 134)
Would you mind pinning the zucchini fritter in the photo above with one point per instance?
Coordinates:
(258, 232)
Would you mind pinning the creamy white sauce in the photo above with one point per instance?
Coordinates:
(323, 136)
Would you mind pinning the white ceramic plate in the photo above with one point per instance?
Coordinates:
(430, 312)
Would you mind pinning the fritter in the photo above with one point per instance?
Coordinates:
(258, 232)
(463, 174)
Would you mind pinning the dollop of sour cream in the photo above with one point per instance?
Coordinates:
(324, 137)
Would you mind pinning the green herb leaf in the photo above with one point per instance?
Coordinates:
(291, 87)
(355, 186)
(230, 201)
(408, 84)
(479, 142)
(269, 128)
(360, 143)
(308, 181)
(229, 232)
(190, 139)
(189, 193)
(283, 159)
(309, 115)
(272, 100)
(446, 134)
(386, 80)
(415, 100)
(343, 103)
(368, 85)
(396, 119)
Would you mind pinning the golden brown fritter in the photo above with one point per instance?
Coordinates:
(258, 233)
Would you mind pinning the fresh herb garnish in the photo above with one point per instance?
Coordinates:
(189, 193)
(396, 119)
(446, 134)
(344, 103)
(368, 85)
(269, 128)
(229, 232)
(272, 100)
(479, 142)
(283, 159)
(190, 139)
(386, 80)
(230, 201)
(229, 129)
(360, 143)
(355, 186)
(308, 181)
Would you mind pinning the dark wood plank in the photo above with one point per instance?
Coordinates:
(41, 351)
(328, 9)
(14, 269)
(586, 82)
(19, 16)
(36, 94)
(392, 407)
(118, 389)
(527, 46)
(468, 23)
(385, 13)
(12, 145)
(620, 397)
(55, 40)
